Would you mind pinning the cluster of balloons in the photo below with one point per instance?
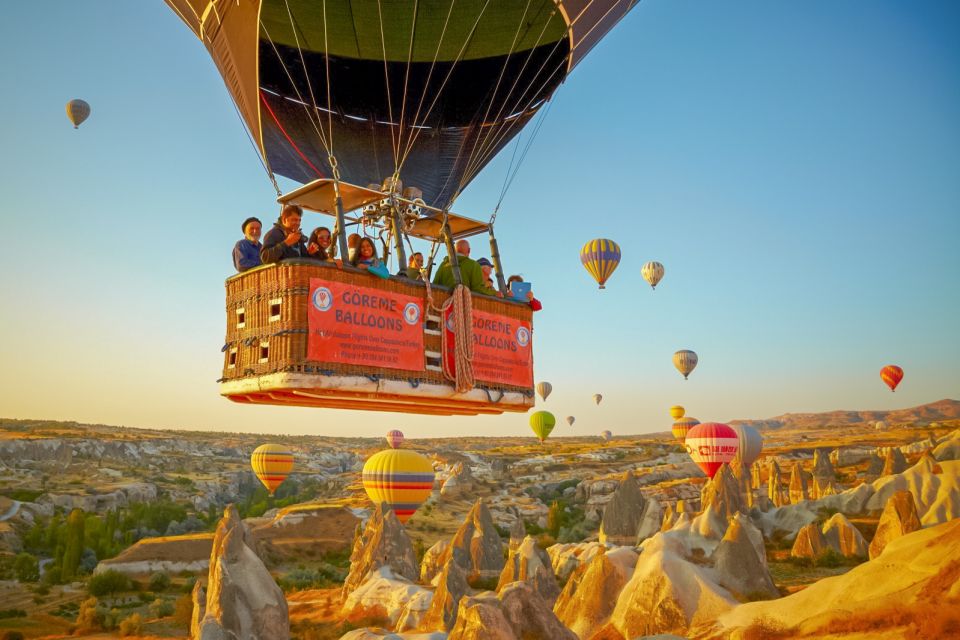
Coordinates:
(543, 422)
(601, 257)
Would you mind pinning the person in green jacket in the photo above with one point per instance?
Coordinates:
(470, 272)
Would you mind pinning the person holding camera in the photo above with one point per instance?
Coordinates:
(285, 240)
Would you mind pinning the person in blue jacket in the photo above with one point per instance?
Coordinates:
(246, 253)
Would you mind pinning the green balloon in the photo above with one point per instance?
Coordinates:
(542, 423)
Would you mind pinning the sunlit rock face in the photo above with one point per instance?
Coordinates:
(529, 563)
(516, 612)
(798, 484)
(382, 543)
(740, 561)
(451, 588)
(899, 518)
(629, 516)
(894, 462)
(476, 546)
(591, 593)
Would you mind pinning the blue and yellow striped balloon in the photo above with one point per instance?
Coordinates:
(398, 479)
(272, 463)
(600, 257)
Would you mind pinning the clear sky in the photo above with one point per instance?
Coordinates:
(794, 165)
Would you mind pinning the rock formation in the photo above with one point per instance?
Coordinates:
(517, 531)
(723, 494)
(741, 565)
(894, 462)
(798, 484)
(529, 563)
(591, 593)
(629, 516)
(383, 543)
(810, 543)
(459, 482)
(566, 558)
(517, 612)
(775, 490)
(476, 545)
(430, 566)
(742, 476)
(898, 519)
(451, 587)
(824, 476)
(843, 537)
(669, 518)
(242, 599)
(385, 595)
(756, 470)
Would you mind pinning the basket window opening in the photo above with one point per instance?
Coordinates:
(275, 309)
(264, 351)
(232, 358)
(241, 318)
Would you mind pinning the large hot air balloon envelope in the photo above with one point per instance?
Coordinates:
(77, 111)
(597, 398)
(685, 361)
(542, 423)
(891, 376)
(676, 412)
(750, 444)
(652, 272)
(544, 389)
(432, 90)
(571, 420)
(272, 463)
(682, 426)
(600, 257)
(606, 435)
(398, 479)
(394, 438)
(711, 444)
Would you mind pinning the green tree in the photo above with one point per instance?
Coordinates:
(73, 544)
(26, 568)
(161, 608)
(554, 518)
(108, 583)
(159, 582)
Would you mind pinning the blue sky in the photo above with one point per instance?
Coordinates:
(794, 165)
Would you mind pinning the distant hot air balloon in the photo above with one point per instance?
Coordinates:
(880, 425)
(750, 444)
(652, 272)
(542, 423)
(606, 435)
(272, 464)
(571, 420)
(78, 111)
(544, 389)
(676, 412)
(712, 444)
(685, 361)
(597, 398)
(891, 376)
(395, 438)
(398, 479)
(600, 257)
(682, 426)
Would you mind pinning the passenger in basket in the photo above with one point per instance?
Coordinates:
(353, 241)
(487, 268)
(415, 268)
(246, 253)
(470, 272)
(534, 303)
(322, 239)
(366, 259)
(284, 240)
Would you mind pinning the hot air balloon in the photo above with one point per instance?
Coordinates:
(597, 398)
(880, 425)
(652, 272)
(571, 420)
(891, 376)
(711, 444)
(398, 479)
(750, 444)
(395, 438)
(606, 435)
(542, 423)
(272, 464)
(676, 412)
(682, 426)
(600, 257)
(685, 361)
(544, 389)
(77, 111)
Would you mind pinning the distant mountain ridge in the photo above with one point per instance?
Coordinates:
(923, 414)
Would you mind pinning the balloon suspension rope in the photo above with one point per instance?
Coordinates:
(462, 318)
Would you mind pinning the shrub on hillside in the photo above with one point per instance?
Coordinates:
(89, 618)
(108, 583)
(131, 626)
(161, 608)
(159, 582)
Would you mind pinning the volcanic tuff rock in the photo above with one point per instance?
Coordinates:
(383, 594)
(476, 545)
(565, 558)
(898, 519)
(843, 537)
(451, 587)
(742, 476)
(430, 566)
(756, 470)
(948, 447)
(629, 514)
(775, 492)
(798, 484)
(243, 601)
(460, 481)
(723, 493)
(846, 456)
(742, 567)
(874, 468)
(810, 543)
(383, 543)
(894, 462)
(591, 593)
(517, 612)
(517, 531)
(822, 467)
(529, 563)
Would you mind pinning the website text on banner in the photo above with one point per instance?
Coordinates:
(502, 348)
(359, 325)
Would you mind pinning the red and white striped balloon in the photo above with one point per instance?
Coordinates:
(711, 444)
(395, 438)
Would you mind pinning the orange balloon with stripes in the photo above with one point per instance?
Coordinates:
(272, 463)
(891, 376)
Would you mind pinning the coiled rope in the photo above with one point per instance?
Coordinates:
(462, 319)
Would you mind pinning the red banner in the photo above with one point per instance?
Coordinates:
(502, 348)
(365, 326)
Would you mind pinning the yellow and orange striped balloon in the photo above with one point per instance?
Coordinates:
(600, 257)
(272, 463)
(398, 479)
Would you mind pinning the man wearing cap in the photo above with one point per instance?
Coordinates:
(486, 267)
(246, 253)
(471, 273)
